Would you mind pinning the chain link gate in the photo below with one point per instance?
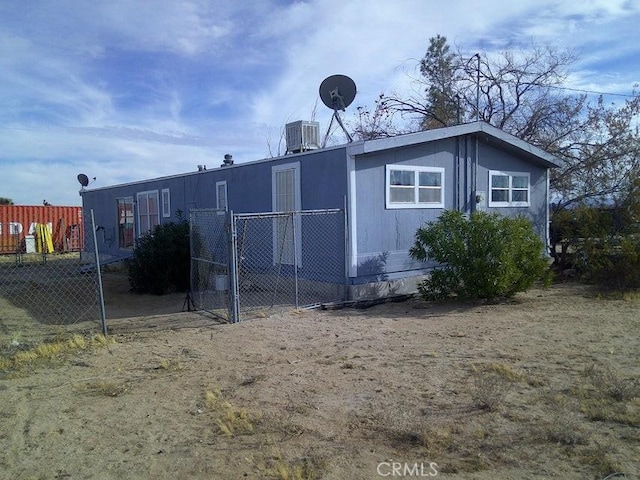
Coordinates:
(244, 265)
(293, 259)
(210, 259)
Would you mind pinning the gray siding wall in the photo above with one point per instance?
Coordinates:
(385, 235)
(323, 185)
(495, 159)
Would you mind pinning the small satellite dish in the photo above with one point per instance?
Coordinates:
(337, 92)
(83, 179)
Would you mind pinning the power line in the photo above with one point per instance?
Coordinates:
(582, 90)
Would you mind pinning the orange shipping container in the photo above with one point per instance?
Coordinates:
(18, 225)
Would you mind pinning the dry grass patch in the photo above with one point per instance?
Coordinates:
(166, 365)
(489, 391)
(565, 429)
(48, 351)
(608, 382)
(439, 440)
(603, 410)
(633, 296)
(234, 421)
(600, 458)
(229, 419)
(506, 371)
(105, 389)
(608, 397)
(304, 468)
(460, 443)
(627, 296)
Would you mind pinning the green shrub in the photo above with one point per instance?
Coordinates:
(602, 242)
(610, 262)
(160, 262)
(570, 227)
(485, 256)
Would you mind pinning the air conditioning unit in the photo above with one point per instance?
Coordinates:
(302, 136)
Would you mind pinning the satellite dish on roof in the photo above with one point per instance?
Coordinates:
(337, 92)
(83, 179)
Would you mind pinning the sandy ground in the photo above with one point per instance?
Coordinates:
(544, 386)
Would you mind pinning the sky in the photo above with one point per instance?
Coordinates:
(126, 90)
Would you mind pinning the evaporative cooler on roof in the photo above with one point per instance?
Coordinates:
(302, 136)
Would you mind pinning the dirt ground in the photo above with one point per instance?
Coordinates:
(545, 386)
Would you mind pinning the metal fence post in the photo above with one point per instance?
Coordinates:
(347, 250)
(99, 273)
(295, 257)
(234, 300)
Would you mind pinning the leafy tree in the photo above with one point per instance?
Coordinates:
(6, 201)
(439, 68)
(486, 256)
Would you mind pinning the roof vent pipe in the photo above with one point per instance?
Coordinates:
(228, 160)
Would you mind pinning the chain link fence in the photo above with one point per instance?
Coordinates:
(246, 264)
(49, 290)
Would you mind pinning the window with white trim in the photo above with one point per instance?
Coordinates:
(221, 196)
(148, 211)
(509, 189)
(166, 203)
(414, 187)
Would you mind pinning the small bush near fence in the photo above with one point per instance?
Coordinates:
(611, 262)
(160, 262)
(601, 243)
(486, 256)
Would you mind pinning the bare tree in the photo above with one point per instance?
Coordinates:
(369, 124)
(279, 149)
(600, 148)
(522, 93)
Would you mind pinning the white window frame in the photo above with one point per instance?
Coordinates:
(416, 186)
(510, 188)
(224, 207)
(166, 203)
(146, 196)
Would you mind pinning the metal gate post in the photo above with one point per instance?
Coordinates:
(234, 298)
(103, 316)
(347, 250)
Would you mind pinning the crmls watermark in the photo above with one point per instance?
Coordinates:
(405, 469)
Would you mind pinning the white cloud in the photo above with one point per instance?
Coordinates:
(186, 27)
(126, 90)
